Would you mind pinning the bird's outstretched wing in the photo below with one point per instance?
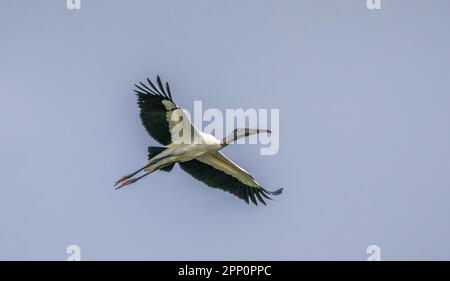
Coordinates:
(157, 110)
(217, 171)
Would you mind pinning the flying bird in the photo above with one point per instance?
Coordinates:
(200, 156)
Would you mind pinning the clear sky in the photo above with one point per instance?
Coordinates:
(364, 99)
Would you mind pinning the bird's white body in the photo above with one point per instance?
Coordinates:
(182, 152)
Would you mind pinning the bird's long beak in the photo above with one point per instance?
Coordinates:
(259, 131)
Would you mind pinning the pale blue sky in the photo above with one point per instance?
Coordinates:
(364, 99)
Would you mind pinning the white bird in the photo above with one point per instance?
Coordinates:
(199, 156)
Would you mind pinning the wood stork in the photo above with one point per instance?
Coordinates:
(201, 159)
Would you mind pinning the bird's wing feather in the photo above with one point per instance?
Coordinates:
(157, 110)
(217, 171)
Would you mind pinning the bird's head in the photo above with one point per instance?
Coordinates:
(241, 133)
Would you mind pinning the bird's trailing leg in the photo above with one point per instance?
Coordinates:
(124, 178)
(130, 181)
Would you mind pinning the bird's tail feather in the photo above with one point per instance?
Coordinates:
(154, 150)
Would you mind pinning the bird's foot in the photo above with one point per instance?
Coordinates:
(125, 183)
(124, 178)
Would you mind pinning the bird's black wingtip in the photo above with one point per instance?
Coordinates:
(160, 91)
